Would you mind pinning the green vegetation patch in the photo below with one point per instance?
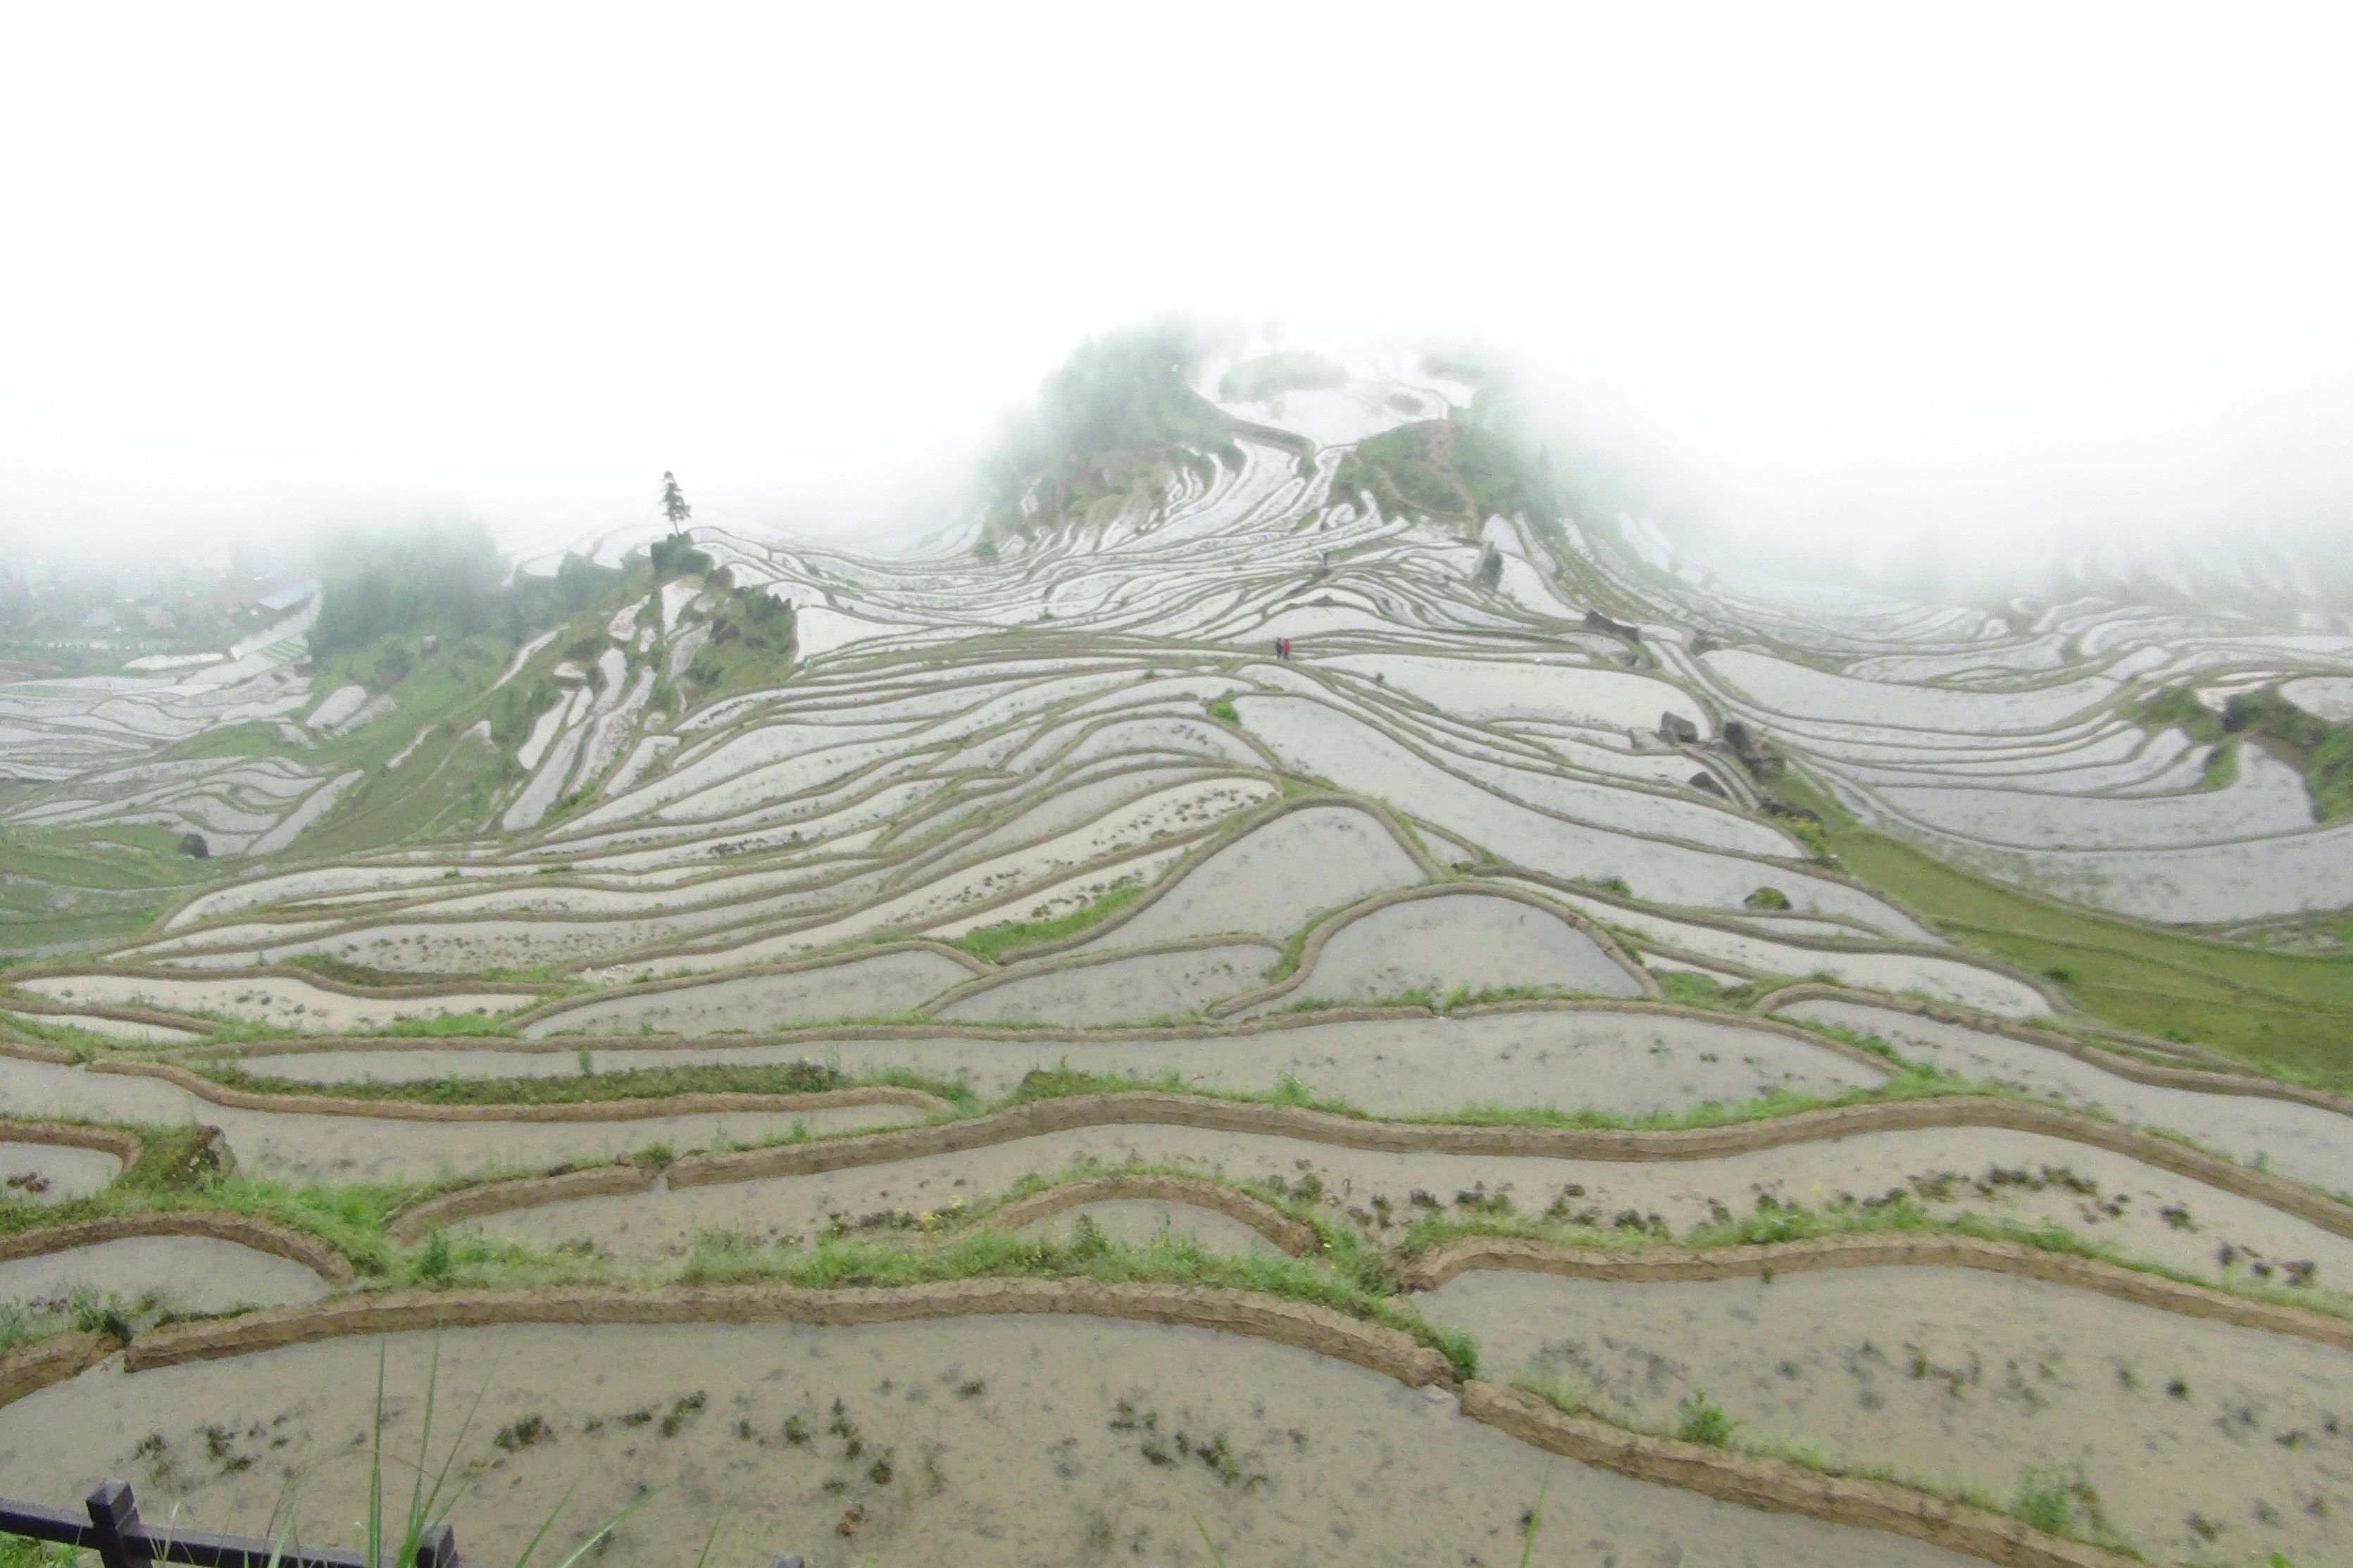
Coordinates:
(992, 943)
(1170, 1260)
(1117, 412)
(1450, 469)
(2320, 750)
(66, 889)
(2287, 1013)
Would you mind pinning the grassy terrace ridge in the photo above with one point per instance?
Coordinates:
(991, 942)
(1347, 1272)
(586, 1088)
(2285, 1013)
(172, 1171)
(220, 1029)
(1907, 1080)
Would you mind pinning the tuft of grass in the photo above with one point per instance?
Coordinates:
(426, 1510)
(2046, 1499)
(580, 1089)
(176, 1160)
(844, 1262)
(1699, 1419)
(1533, 1522)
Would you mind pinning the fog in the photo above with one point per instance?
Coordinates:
(1851, 283)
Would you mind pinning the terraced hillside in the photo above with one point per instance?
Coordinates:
(973, 1051)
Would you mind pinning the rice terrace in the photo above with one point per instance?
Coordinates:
(1301, 986)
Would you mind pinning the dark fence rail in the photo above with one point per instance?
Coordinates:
(111, 1527)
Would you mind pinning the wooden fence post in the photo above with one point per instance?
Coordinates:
(115, 1514)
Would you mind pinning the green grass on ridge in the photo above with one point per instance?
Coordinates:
(2283, 1013)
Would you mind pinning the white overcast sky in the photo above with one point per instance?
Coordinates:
(1868, 268)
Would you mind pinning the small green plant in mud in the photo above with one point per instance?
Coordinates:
(1532, 1522)
(1699, 1419)
(84, 1311)
(1223, 712)
(681, 1411)
(2049, 1500)
(520, 1434)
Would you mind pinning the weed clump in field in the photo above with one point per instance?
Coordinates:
(1699, 1419)
(2054, 1502)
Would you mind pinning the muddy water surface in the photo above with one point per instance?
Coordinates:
(362, 1149)
(990, 1442)
(1957, 1375)
(52, 1173)
(1476, 941)
(871, 987)
(184, 1273)
(112, 1028)
(1126, 990)
(273, 999)
(2295, 1140)
(371, 1148)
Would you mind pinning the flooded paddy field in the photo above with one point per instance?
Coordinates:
(2028, 1178)
(178, 1273)
(2298, 1140)
(1475, 941)
(51, 1173)
(2193, 1439)
(366, 1148)
(998, 1441)
(1631, 1063)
